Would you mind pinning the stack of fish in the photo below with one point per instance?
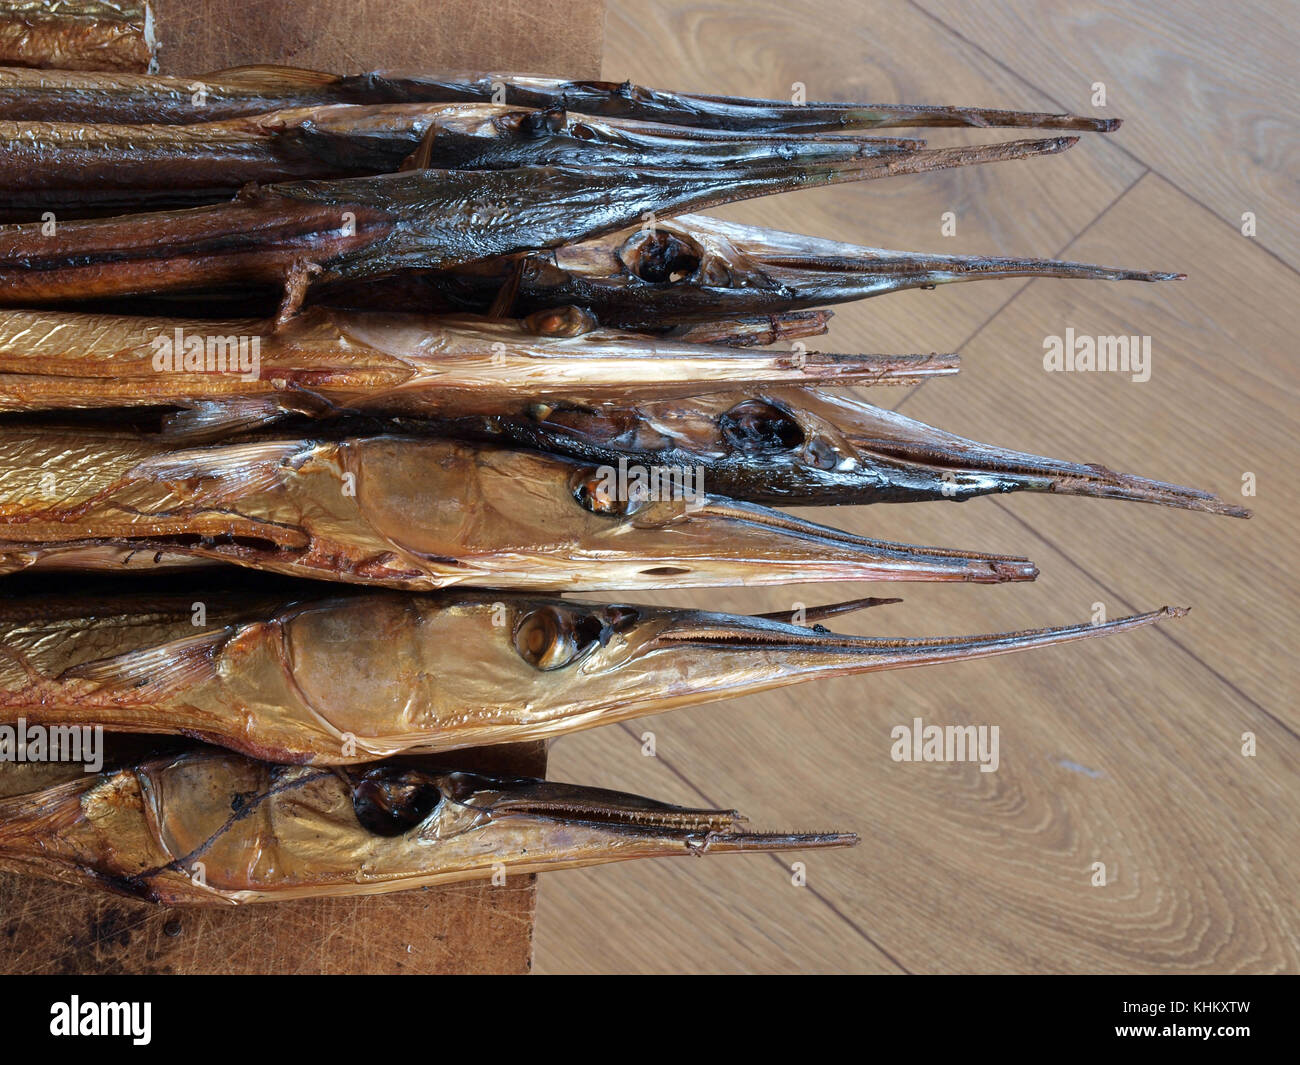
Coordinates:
(391, 332)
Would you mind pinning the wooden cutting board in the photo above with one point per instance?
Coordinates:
(53, 928)
(47, 927)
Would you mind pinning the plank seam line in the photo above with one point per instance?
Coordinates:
(1006, 68)
(1025, 287)
(1160, 629)
(626, 727)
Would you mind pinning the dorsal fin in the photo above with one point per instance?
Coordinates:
(269, 78)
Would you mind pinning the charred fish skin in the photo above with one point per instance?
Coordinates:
(293, 235)
(91, 35)
(355, 677)
(694, 268)
(417, 513)
(64, 96)
(180, 831)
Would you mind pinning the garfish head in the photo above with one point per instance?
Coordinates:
(695, 267)
(467, 669)
(472, 825)
(809, 446)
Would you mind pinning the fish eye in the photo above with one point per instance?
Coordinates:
(594, 493)
(598, 492)
(567, 321)
(821, 454)
(389, 801)
(549, 638)
(759, 426)
(659, 257)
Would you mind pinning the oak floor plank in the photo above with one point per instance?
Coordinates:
(1207, 90)
(1126, 751)
(728, 913)
(847, 51)
(1222, 401)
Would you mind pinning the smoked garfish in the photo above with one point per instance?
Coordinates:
(73, 169)
(354, 677)
(417, 513)
(292, 235)
(209, 827)
(695, 268)
(247, 372)
(65, 96)
(807, 446)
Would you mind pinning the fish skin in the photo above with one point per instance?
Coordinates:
(807, 446)
(331, 679)
(72, 97)
(415, 513)
(328, 362)
(79, 170)
(211, 828)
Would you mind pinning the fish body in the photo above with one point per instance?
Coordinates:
(417, 513)
(210, 828)
(249, 371)
(350, 678)
(75, 169)
(297, 234)
(69, 96)
(694, 268)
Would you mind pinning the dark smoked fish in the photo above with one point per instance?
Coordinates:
(694, 268)
(289, 236)
(801, 446)
(78, 35)
(73, 169)
(62, 96)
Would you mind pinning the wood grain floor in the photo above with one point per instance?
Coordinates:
(1126, 752)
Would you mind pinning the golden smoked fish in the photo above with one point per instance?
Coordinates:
(246, 372)
(351, 678)
(417, 513)
(208, 827)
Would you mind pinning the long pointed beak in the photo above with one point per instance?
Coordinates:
(813, 270)
(793, 653)
(724, 541)
(464, 136)
(570, 824)
(929, 463)
(827, 117)
(839, 277)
